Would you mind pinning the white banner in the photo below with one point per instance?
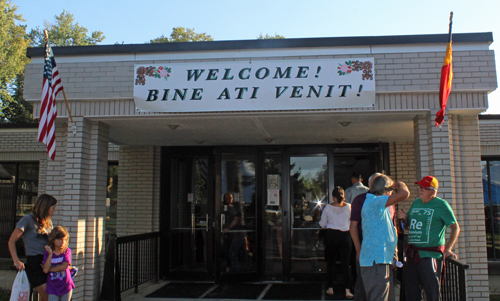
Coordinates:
(255, 85)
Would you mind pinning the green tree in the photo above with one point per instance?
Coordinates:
(65, 32)
(268, 37)
(181, 34)
(17, 110)
(13, 58)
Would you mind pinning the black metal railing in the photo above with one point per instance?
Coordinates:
(454, 286)
(454, 283)
(130, 261)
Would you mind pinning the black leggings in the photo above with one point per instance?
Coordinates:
(338, 243)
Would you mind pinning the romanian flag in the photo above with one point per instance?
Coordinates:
(445, 84)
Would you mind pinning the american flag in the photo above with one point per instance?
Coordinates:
(48, 112)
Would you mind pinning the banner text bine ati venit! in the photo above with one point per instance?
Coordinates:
(255, 85)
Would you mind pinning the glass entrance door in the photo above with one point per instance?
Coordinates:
(249, 213)
(237, 201)
(191, 218)
(308, 195)
(295, 192)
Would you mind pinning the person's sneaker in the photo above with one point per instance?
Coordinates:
(330, 291)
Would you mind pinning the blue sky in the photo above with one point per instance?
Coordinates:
(139, 21)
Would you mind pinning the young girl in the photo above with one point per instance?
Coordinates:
(56, 262)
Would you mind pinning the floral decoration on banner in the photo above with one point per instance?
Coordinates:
(160, 72)
(344, 69)
(349, 66)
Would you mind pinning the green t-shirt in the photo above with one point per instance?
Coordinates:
(427, 224)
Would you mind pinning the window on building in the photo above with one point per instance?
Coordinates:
(111, 197)
(18, 193)
(491, 190)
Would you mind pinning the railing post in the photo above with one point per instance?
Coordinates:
(463, 284)
(110, 284)
(157, 259)
(118, 274)
(136, 265)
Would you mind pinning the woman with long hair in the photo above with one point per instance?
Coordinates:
(336, 219)
(35, 229)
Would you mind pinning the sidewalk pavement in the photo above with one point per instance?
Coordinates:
(7, 278)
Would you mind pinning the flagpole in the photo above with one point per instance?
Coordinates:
(446, 78)
(449, 28)
(64, 93)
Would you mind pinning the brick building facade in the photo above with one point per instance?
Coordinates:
(98, 81)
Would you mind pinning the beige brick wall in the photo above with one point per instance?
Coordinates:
(20, 140)
(113, 152)
(84, 203)
(468, 202)
(415, 71)
(138, 191)
(106, 88)
(489, 131)
(402, 158)
(156, 190)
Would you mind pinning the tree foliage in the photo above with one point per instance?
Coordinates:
(13, 44)
(65, 32)
(181, 34)
(17, 110)
(268, 37)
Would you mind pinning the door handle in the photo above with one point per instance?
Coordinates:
(206, 222)
(222, 222)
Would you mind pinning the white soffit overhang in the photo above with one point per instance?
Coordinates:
(254, 129)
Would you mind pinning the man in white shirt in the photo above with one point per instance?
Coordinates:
(356, 189)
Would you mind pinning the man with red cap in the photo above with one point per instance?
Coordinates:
(426, 222)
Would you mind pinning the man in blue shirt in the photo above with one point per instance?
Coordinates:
(379, 237)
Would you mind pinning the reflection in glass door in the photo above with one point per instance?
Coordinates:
(238, 214)
(273, 215)
(191, 247)
(308, 196)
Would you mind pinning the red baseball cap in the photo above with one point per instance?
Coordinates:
(428, 181)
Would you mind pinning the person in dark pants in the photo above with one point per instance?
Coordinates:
(426, 221)
(357, 238)
(336, 219)
(233, 241)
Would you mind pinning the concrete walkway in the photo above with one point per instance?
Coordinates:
(7, 278)
(149, 288)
